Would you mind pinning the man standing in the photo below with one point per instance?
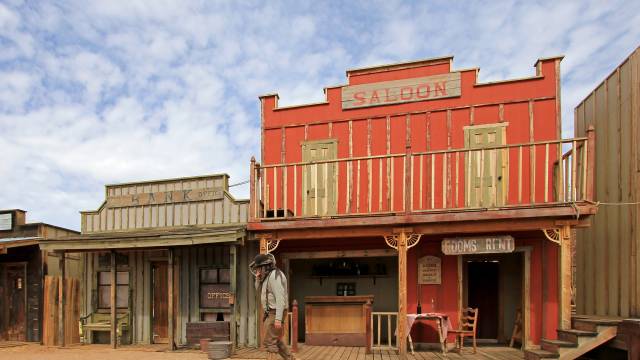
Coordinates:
(272, 286)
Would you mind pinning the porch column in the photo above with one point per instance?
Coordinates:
(63, 300)
(402, 240)
(114, 317)
(565, 277)
(171, 305)
(402, 294)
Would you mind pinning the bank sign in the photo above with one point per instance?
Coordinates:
(401, 91)
(478, 245)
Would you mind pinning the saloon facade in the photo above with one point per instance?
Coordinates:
(418, 178)
(161, 264)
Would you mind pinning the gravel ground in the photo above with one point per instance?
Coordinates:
(95, 352)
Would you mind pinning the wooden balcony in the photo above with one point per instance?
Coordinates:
(544, 178)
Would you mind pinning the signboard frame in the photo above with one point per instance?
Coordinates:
(430, 270)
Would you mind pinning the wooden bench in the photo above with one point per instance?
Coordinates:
(101, 322)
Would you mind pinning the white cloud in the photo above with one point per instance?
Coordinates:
(110, 91)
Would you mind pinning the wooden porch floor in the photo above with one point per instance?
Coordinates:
(357, 353)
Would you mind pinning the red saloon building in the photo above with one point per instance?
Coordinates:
(416, 188)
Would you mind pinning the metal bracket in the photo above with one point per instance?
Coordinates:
(412, 240)
(552, 235)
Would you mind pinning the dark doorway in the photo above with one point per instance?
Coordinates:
(15, 315)
(160, 315)
(483, 284)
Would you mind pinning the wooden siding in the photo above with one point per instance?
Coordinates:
(223, 210)
(606, 253)
(188, 261)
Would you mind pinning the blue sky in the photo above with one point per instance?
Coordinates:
(97, 92)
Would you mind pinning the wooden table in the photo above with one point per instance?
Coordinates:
(443, 326)
(336, 320)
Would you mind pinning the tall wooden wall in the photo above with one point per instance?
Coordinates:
(188, 261)
(607, 253)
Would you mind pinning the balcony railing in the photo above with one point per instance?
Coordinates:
(538, 173)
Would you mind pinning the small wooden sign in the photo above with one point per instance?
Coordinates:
(215, 296)
(6, 221)
(165, 197)
(429, 270)
(401, 91)
(478, 245)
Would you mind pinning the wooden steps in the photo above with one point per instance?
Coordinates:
(586, 335)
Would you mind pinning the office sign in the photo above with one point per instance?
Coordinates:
(6, 221)
(401, 91)
(478, 245)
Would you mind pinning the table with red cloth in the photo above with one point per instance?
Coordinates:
(443, 326)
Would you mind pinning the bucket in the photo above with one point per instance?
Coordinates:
(204, 344)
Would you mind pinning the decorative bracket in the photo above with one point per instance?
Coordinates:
(412, 240)
(272, 245)
(552, 234)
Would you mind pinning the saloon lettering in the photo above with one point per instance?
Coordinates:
(400, 91)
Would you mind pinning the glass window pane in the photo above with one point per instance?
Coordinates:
(122, 278)
(104, 278)
(104, 296)
(122, 296)
(209, 276)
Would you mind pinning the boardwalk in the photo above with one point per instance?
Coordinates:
(357, 353)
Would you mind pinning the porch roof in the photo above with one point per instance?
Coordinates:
(146, 239)
(12, 242)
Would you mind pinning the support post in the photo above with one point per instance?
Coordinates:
(591, 162)
(253, 200)
(234, 317)
(264, 246)
(402, 295)
(367, 315)
(63, 300)
(114, 318)
(294, 326)
(565, 277)
(170, 302)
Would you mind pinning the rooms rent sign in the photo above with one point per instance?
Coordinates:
(478, 245)
(401, 91)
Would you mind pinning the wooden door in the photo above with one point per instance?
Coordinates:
(15, 300)
(318, 186)
(160, 315)
(483, 281)
(485, 169)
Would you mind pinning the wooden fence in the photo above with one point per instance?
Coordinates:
(51, 311)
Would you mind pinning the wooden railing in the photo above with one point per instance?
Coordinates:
(512, 175)
(383, 330)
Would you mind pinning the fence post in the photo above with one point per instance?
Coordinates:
(367, 315)
(591, 161)
(294, 327)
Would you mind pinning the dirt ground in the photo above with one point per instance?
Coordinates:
(95, 352)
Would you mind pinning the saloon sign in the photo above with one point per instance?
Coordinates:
(478, 245)
(401, 91)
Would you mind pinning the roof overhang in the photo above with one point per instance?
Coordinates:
(7, 243)
(144, 240)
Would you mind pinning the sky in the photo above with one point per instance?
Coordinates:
(101, 92)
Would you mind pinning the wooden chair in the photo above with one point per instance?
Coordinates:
(468, 324)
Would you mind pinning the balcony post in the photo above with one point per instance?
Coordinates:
(565, 277)
(368, 324)
(591, 161)
(407, 170)
(253, 201)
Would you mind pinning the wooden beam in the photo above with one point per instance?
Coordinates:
(171, 303)
(402, 295)
(114, 318)
(62, 301)
(233, 264)
(565, 277)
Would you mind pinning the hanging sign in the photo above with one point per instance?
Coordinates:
(478, 245)
(429, 270)
(6, 221)
(401, 91)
